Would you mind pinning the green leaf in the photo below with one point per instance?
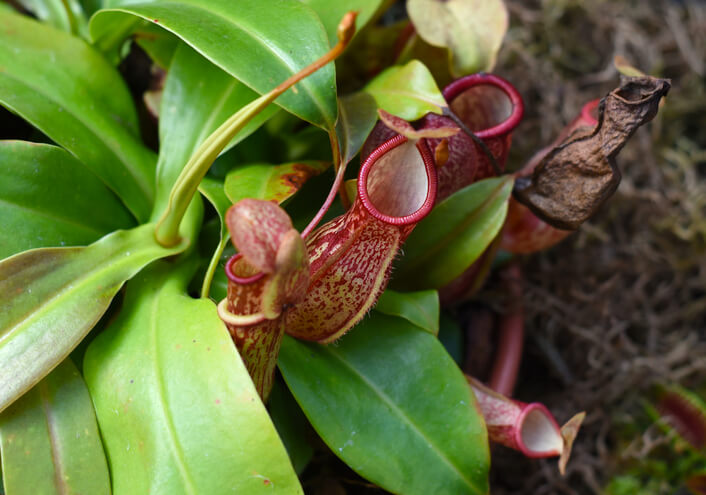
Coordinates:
(66, 15)
(49, 439)
(52, 297)
(357, 114)
(48, 198)
(67, 90)
(390, 402)
(454, 234)
(408, 91)
(198, 97)
(175, 404)
(158, 43)
(472, 30)
(419, 308)
(259, 43)
(270, 182)
(213, 191)
(331, 13)
(291, 425)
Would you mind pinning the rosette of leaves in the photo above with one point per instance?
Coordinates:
(113, 360)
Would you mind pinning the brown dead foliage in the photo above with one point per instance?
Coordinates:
(621, 304)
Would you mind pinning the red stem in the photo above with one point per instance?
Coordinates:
(512, 331)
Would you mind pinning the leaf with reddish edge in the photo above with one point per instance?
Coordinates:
(270, 182)
(472, 30)
(54, 296)
(259, 43)
(49, 439)
(407, 91)
(427, 436)
(420, 308)
(190, 421)
(454, 234)
(401, 126)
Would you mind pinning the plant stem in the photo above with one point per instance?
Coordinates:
(167, 230)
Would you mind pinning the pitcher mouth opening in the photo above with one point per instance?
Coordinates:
(488, 104)
(398, 181)
(250, 279)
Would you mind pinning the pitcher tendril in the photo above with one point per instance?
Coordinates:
(167, 230)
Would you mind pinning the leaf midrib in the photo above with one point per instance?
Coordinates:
(401, 413)
(174, 445)
(278, 55)
(60, 292)
(46, 214)
(443, 242)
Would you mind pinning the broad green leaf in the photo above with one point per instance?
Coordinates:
(357, 114)
(454, 234)
(176, 407)
(66, 15)
(331, 13)
(419, 308)
(408, 91)
(259, 43)
(291, 425)
(52, 297)
(472, 30)
(67, 90)
(48, 198)
(390, 402)
(198, 97)
(270, 182)
(50, 442)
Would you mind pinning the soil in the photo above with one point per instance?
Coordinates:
(619, 306)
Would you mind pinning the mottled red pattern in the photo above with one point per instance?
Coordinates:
(350, 262)
(258, 344)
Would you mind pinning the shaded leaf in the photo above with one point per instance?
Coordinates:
(419, 308)
(49, 439)
(331, 13)
(270, 182)
(454, 234)
(175, 405)
(48, 198)
(391, 403)
(198, 97)
(66, 15)
(67, 90)
(356, 118)
(472, 30)
(52, 297)
(158, 43)
(291, 426)
(259, 43)
(407, 91)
